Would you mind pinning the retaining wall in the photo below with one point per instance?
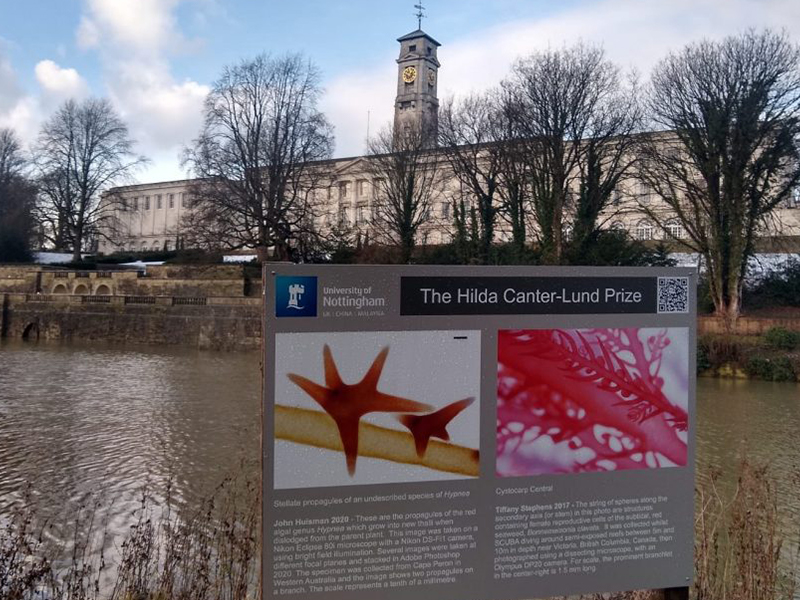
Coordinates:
(212, 323)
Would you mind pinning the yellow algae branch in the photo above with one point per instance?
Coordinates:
(316, 428)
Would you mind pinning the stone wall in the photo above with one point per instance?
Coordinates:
(205, 281)
(219, 325)
(15, 278)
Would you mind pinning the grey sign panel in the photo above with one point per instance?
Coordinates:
(477, 433)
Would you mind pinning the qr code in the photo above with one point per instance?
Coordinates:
(673, 295)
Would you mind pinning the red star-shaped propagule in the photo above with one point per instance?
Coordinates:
(424, 427)
(346, 404)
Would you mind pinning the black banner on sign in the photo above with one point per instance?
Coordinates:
(527, 295)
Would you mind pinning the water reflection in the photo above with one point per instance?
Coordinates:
(78, 420)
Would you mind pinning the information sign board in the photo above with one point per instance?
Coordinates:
(477, 433)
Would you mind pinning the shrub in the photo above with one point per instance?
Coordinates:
(717, 351)
(779, 288)
(783, 369)
(781, 338)
(759, 367)
(705, 304)
(771, 369)
(703, 360)
(616, 248)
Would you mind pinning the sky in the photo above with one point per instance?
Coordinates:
(156, 59)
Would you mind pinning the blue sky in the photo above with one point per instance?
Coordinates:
(155, 59)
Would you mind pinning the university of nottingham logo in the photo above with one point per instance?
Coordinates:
(295, 296)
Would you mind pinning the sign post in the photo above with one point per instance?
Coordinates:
(477, 433)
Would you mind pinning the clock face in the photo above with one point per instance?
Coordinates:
(409, 74)
(431, 77)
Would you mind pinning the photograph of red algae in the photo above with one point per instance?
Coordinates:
(376, 407)
(591, 400)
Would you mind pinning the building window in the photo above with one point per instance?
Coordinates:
(644, 230)
(158, 202)
(445, 210)
(144, 246)
(617, 197)
(645, 192)
(135, 203)
(183, 200)
(147, 202)
(794, 198)
(344, 189)
(344, 220)
(362, 187)
(412, 47)
(168, 246)
(171, 200)
(123, 203)
(675, 229)
(360, 215)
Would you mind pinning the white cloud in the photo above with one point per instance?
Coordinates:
(635, 34)
(88, 35)
(162, 113)
(59, 83)
(10, 92)
(143, 26)
(17, 110)
(353, 98)
(24, 117)
(135, 40)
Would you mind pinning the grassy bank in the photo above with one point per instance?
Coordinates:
(774, 356)
(214, 552)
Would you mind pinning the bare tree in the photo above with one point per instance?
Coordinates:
(575, 119)
(730, 153)
(407, 177)
(12, 160)
(472, 136)
(253, 158)
(82, 150)
(17, 199)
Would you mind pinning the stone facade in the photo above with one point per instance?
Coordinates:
(144, 217)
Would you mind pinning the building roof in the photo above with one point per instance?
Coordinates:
(417, 34)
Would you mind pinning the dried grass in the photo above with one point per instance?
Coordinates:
(211, 554)
(214, 553)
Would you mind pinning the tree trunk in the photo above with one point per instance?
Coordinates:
(262, 252)
(76, 248)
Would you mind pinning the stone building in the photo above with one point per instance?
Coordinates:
(151, 216)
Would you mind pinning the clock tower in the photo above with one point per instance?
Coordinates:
(417, 81)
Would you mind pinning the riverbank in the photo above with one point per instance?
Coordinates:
(774, 355)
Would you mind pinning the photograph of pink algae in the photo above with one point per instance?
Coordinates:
(591, 400)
